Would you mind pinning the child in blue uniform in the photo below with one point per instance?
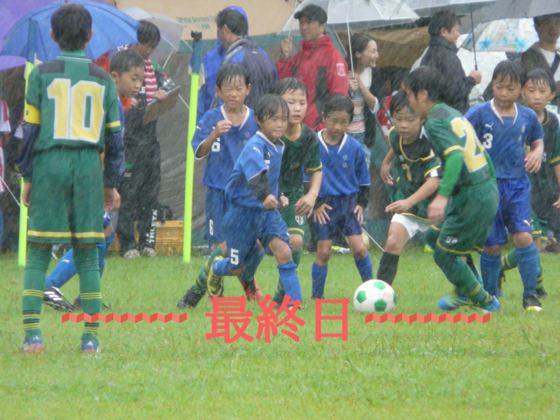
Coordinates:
(505, 128)
(252, 194)
(344, 192)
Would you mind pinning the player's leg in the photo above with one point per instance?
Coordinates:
(128, 190)
(296, 241)
(148, 196)
(320, 267)
(61, 274)
(351, 228)
(247, 277)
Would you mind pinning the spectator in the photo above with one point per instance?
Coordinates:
(543, 54)
(239, 48)
(318, 65)
(4, 133)
(442, 54)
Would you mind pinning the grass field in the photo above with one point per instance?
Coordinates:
(507, 368)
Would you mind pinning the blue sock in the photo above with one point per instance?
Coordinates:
(490, 266)
(528, 266)
(290, 280)
(252, 264)
(221, 267)
(63, 272)
(319, 276)
(365, 267)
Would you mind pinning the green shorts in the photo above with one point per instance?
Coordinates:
(67, 200)
(539, 227)
(469, 218)
(294, 222)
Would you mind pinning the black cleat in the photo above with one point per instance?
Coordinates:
(531, 303)
(54, 298)
(191, 298)
(541, 293)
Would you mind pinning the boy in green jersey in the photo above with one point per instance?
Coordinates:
(467, 197)
(417, 181)
(538, 91)
(301, 154)
(72, 116)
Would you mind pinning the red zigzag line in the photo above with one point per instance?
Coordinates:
(438, 319)
(125, 317)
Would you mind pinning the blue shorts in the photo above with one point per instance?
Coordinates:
(216, 206)
(514, 210)
(243, 226)
(342, 216)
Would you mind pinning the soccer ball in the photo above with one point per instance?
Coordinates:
(374, 296)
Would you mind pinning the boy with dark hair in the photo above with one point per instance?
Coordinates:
(442, 54)
(301, 155)
(466, 186)
(506, 128)
(220, 136)
(252, 193)
(60, 158)
(417, 180)
(127, 71)
(344, 192)
(538, 91)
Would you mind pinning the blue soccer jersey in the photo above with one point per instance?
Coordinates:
(344, 167)
(260, 155)
(505, 137)
(225, 149)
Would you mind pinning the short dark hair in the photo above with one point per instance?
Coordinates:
(314, 13)
(125, 61)
(148, 33)
(339, 102)
(359, 42)
(539, 20)
(542, 76)
(268, 105)
(429, 79)
(234, 20)
(512, 69)
(443, 19)
(71, 26)
(290, 84)
(231, 71)
(399, 102)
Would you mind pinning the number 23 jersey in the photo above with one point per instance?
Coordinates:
(74, 101)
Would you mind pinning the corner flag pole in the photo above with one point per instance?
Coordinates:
(196, 59)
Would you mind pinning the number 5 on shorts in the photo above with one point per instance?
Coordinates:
(234, 256)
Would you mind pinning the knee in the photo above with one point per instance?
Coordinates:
(359, 251)
(522, 239)
(323, 255)
(393, 245)
(296, 241)
(493, 250)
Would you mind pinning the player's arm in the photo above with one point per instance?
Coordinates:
(255, 170)
(555, 160)
(205, 146)
(313, 169)
(451, 173)
(429, 186)
(114, 159)
(386, 167)
(534, 157)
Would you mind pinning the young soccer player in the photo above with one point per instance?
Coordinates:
(220, 136)
(301, 154)
(506, 128)
(417, 181)
(538, 91)
(344, 192)
(61, 165)
(467, 198)
(127, 70)
(252, 193)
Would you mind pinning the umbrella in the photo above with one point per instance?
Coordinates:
(515, 9)
(506, 35)
(30, 34)
(171, 31)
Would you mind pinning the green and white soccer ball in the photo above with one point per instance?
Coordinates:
(374, 296)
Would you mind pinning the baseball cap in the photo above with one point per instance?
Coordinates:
(313, 13)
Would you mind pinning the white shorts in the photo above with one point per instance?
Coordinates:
(412, 225)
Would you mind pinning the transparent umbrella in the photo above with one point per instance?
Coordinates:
(515, 9)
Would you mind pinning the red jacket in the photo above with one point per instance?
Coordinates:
(322, 69)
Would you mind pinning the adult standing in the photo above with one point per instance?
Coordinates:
(442, 54)
(319, 65)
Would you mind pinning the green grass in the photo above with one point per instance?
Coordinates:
(505, 369)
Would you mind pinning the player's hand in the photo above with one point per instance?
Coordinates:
(160, 95)
(353, 84)
(359, 212)
(477, 76)
(533, 160)
(398, 206)
(221, 128)
(270, 202)
(436, 209)
(385, 174)
(286, 48)
(112, 199)
(283, 201)
(557, 203)
(305, 205)
(320, 215)
(26, 193)
(133, 102)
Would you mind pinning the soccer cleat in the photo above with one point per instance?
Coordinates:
(315, 297)
(91, 347)
(215, 282)
(531, 303)
(54, 298)
(149, 252)
(191, 298)
(541, 293)
(33, 345)
(131, 253)
(428, 249)
(492, 306)
(452, 302)
(252, 290)
(278, 298)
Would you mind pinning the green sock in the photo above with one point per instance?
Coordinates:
(87, 266)
(540, 277)
(36, 266)
(509, 261)
(296, 256)
(202, 278)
